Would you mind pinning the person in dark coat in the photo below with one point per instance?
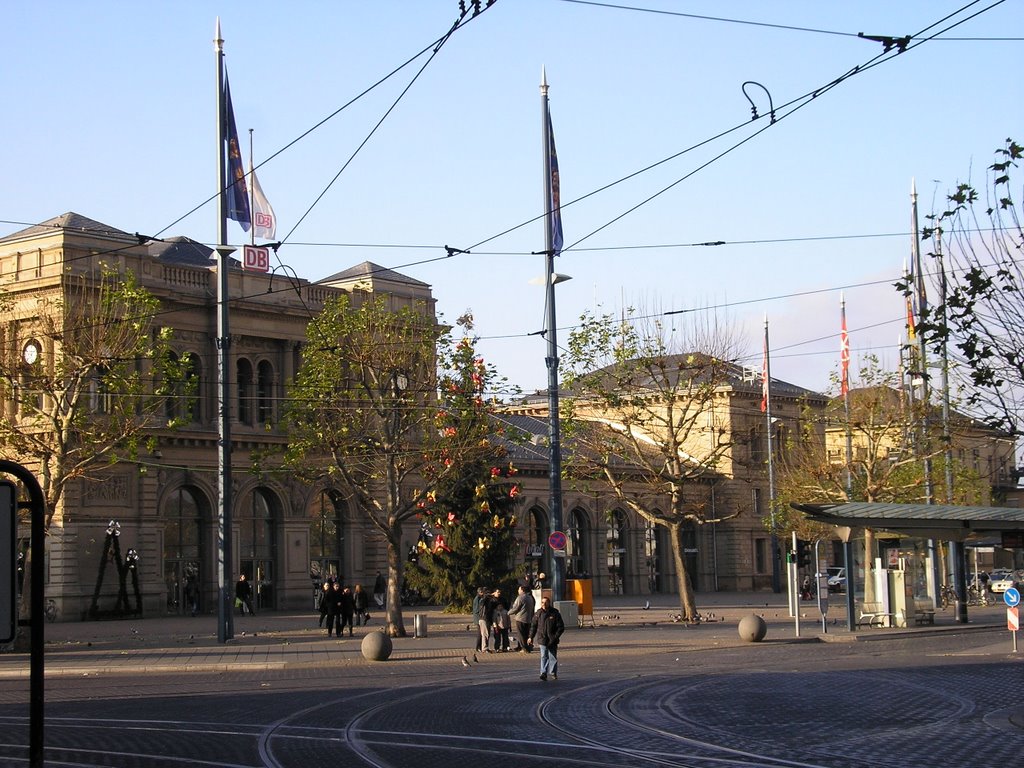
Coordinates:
(521, 614)
(380, 586)
(488, 605)
(348, 611)
(545, 631)
(325, 591)
(243, 593)
(333, 601)
(362, 604)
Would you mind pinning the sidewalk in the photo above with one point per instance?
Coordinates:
(277, 640)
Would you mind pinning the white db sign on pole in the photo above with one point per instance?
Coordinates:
(255, 259)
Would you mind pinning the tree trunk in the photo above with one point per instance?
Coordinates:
(686, 600)
(395, 623)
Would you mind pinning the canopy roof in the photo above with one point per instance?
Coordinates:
(948, 521)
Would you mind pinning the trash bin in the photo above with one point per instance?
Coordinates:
(420, 625)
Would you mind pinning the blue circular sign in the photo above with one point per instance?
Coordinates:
(1011, 597)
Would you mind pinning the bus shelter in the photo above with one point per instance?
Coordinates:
(927, 523)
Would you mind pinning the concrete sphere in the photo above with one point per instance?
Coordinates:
(376, 646)
(753, 628)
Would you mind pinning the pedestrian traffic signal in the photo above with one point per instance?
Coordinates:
(803, 553)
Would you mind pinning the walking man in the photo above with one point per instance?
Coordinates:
(521, 614)
(545, 631)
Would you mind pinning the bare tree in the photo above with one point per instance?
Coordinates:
(644, 416)
(380, 406)
(83, 377)
(981, 309)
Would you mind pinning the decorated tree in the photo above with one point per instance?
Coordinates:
(380, 407)
(468, 516)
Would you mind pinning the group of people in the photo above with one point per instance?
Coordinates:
(342, 606)
(541, 628)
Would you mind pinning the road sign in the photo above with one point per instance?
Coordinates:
(557, 540)
(1012, 619)
(1011, 597)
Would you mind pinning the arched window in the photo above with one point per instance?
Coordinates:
(616, 552)
(655, 553)
(244, 392)
(183, 512)
(577, 562)
(536, 540)
(257, 517)
(326, 534)
(184, 395)
(102, 399)
(265, 392)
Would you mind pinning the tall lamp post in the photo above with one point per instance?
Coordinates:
(552, 246)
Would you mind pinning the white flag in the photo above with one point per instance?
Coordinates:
(263, 222)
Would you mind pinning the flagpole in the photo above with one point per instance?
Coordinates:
(848, 557)
(955, 548)
(766, 385)
(551, 361)
(252, 195)
(225, 616)
(844, 362)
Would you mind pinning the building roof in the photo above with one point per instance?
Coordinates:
(733, 375)
(69, 222)
(375, 272)
(183, 250)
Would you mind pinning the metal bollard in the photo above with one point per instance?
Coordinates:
(420, 625)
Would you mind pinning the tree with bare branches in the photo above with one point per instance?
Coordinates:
(388, 407)
(643, 411)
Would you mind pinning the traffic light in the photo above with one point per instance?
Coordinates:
(803, 553)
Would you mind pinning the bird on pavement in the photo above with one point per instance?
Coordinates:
(465, 662)
(475, 659)
(647, 604)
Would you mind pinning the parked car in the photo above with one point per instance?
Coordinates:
(836, 579)
(1012, 579)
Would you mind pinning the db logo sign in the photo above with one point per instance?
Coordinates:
(256, 259)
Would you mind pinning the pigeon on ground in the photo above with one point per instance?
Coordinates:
(465, 662)
(647, 604)
(475, 659)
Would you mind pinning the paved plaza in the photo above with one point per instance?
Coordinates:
(635, 688)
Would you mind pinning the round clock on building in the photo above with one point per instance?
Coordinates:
(31, 352)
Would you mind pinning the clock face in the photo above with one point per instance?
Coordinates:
(31, 352)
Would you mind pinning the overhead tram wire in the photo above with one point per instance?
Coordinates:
(318, 125)
(783, 27)
(793, 106)
(799, 102)
(812, 95)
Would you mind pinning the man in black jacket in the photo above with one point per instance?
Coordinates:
(547, 627)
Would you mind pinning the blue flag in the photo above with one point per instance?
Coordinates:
(556, 205)
(238, 195)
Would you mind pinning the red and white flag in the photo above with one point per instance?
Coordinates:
(264, 224)
(765, 376)
(844, 356)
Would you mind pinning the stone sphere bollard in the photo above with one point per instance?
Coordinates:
(376, 646)
(753, 628)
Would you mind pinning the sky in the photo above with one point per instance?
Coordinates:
(111, 114)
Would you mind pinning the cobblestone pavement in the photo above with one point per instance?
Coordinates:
(637, 689)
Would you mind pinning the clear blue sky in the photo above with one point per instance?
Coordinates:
(110, 113)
